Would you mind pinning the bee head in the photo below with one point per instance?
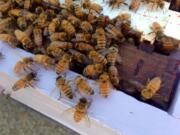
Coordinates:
(83, 100)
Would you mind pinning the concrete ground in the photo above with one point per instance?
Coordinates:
(18, 119)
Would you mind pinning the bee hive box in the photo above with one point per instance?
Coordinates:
(119, 114)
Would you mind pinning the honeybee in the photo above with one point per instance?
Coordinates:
(10, 39)
(55, 51)
(135, 4)
(45, 60)
(151, 88)
(39, 10)
(84, 47)
(14, 12)
(157, 29)
(104, 85)
(97, 57)
(24, 39)
(93, 70)
(29, 30)
(63, 64)
(102, 20)
(86, 3)
(123, 17)
(38, 39)
(23, 65)
(155, 4)
(126, 28)
(64, 87)
(100, 38)
(92, 18)
(83, 86)
(116, 3)
(114, 75)
(53, 25)
(28, 15)
(19, 2)
(27, 4)
(116, 34)
(83, 37)
(4, 7)
(61, 36)
(74, 20)
(69, 4)
(62, 45)
(53, 2)
(86, 26)
(42, 20)
(78, 12)
(4, 23)
(80, 110)
(112, 55)
(167, 45)
(79, 57)
(96, 7)
(68, 27)
(21, 22)
(26, 81)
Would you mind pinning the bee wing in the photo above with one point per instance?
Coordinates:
(87, 121)
(68, 113)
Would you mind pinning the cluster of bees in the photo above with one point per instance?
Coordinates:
(63, 34)
(135, 4)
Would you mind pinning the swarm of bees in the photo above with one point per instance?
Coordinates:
(61, 35)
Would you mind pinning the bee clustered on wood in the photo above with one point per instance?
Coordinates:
(66, 36)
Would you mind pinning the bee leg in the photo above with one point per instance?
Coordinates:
(60, 95)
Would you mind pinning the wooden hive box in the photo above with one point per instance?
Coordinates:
(140, 66)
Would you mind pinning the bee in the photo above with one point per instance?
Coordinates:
(92, 18)
(96, 7)
(93, 70)
(126, 28)
(38, 38)
(116, 3)
(123, 17)
(42, 20)
(4, 7)
(53, 2)
(83, 37)
(83, 86)
(157, 29)
(29, 30)
(61, 36)
(114, 75)
(21, 22)
(24, 39)
(5, 23)
(63, 64)
(100, 38)
(28, 15)
(86, 26)
(55, 51)
(64, 87)
(68, 27)
(27, 4)
(85, 4)
(53, 25)
(19, 2)
(112, 55)
(97, 57)
(155, 4)
(62, 45)
(84, 47)
(74, 20)
(151, 88)
(81, 109)
(116, 34)
(102, 20)
(135, 4)
(45, 60)
(167, 45)
(26, 81)
(69, 4)
(23, 65)
(10, 39)
(39, 10)
(78, 12)
(78, 56)
(104, 85)
(14, 12)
